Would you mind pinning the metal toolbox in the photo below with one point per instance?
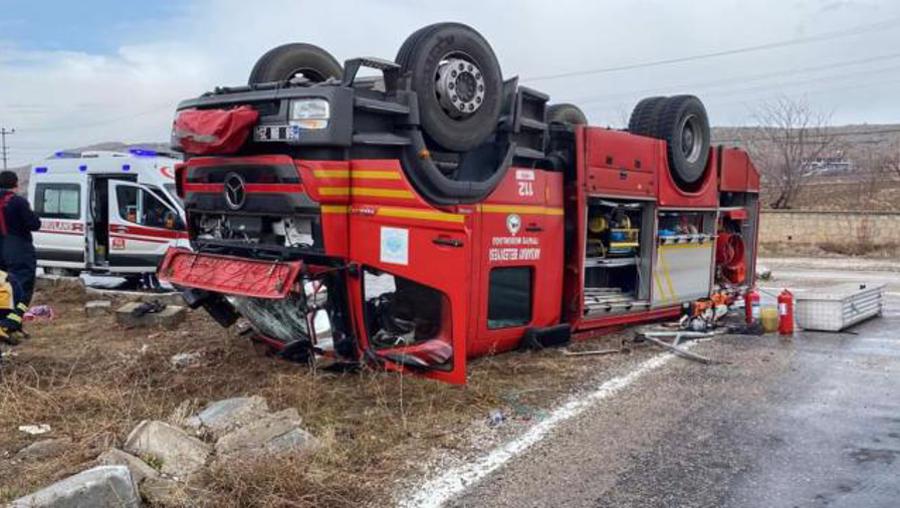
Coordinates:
(837, 307)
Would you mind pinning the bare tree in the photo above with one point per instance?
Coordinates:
(892, 160)
(790, 138)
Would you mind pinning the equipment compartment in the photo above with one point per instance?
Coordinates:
(618, 241)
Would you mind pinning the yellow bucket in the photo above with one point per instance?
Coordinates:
(769, 319)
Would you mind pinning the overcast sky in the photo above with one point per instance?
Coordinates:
(75, 73)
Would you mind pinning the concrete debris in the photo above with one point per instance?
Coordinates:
(140, 470)
(97, 308)
(100, 486)
(169, 317)
(185, 360)
(35, 430)
(224, 416)
(763, 272)
(44, 449)
(276, 433)
(178, 453)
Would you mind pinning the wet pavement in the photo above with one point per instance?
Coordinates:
(813, 421)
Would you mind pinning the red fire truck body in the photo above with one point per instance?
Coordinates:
(607, 237)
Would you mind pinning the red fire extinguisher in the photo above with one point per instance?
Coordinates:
(786, 313)
(751, 305)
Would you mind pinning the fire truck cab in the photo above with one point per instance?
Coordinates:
(437, 213)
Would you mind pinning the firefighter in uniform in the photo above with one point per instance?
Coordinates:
(17, 255)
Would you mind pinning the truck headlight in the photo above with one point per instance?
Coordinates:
(310, 113)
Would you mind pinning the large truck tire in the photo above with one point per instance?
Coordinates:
(286, 61)
(684, 126)
(457, 78)
(681, 122)
(568, 114)
(645, 116)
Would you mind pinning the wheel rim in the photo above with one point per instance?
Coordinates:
(459, 85)
(691, 138)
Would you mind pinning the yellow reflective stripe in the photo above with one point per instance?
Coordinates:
(381, 193)
(665, 267)
(363, 173)
(22, 307)
(14, 318)
(331, 173)
(659, 287)
(377, 175)
(408, 213)
(414, 213)
(524, 209)
(366, 191)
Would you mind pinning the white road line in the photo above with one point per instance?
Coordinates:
(437, 491)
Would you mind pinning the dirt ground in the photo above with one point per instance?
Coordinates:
(92, 382)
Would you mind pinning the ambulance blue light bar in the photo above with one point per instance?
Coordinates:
(141, 152)
(40, 169)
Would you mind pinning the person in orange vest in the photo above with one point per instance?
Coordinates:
(17, 254)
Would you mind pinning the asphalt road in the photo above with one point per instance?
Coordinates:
(809, 422)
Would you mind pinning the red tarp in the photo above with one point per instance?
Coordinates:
(213, 131)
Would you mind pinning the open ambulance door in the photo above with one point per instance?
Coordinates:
(142, 225)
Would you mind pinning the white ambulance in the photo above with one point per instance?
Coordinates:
(105, 212)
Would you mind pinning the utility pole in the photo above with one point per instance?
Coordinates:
(3, 150)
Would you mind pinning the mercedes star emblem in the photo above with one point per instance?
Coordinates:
(235, 193)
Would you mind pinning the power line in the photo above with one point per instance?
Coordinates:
(3, 150)
(740, 79)
(715, 54)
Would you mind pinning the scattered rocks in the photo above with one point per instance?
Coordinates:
(170, 317)
(179, 454)
(100, 486)
(97, 308)
(276, 433)
(44, 449)
(140, 470)
(164, 461)
(224, 416)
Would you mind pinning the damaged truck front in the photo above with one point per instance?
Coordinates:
(316, 211)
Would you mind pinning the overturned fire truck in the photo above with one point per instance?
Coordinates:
(432, 212)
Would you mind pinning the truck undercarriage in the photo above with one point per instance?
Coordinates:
(437, 213)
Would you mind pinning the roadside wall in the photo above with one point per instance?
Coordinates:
(837, 227)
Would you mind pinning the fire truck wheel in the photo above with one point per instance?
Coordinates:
(645, 115)
(568, 114)
(457, 79)
(286, 61)
(684, 126)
